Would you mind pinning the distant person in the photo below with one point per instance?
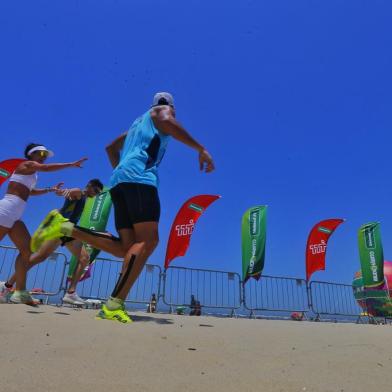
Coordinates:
(197, 309)
(192, 306)
(135, 157)
(22, 185)
(72, 209)
(152, 306)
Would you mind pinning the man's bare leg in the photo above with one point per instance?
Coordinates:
(146, 240)
(79, 251)
(109, 245)
(127, 238)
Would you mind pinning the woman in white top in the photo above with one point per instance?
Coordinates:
(22, 185)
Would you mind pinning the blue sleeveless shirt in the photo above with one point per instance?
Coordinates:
(143, 150)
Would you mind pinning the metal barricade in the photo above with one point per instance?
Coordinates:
(214, 289)
(45, 278)
(105, 273)
(279, 294)
(334, 299)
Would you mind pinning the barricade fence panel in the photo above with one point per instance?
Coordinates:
(45, 278)
(8, 256)
(105, 273)
(272, 293)
(214, 289)
(334, 299)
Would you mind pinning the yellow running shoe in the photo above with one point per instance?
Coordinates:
(118, 315)
(49, 229)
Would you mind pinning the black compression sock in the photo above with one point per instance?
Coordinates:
(123, 277)
(115, 290)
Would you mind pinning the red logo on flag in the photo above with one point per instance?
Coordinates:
(316, 247)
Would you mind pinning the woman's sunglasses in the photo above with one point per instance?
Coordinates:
(43, 154)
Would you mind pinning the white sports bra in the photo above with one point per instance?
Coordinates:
(28, 180)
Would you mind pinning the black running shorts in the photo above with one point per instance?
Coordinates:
(134, 203)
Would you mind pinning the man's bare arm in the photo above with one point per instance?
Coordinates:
(70, 193)
(164, 120)
(113, 149)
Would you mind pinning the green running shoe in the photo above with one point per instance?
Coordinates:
(117, 315)
(49, 229)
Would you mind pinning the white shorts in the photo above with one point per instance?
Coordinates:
(11, 210)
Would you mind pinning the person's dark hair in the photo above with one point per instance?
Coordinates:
(96, 183)
(29, 147)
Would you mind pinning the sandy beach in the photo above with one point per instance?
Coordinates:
(61, 349)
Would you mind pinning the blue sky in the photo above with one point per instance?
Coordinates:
(292, 98)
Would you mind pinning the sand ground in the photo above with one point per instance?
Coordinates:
(61, 349)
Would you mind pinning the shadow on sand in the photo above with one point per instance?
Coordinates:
(145, 319)
(42, 312)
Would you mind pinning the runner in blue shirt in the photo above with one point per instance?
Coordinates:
(135, 157)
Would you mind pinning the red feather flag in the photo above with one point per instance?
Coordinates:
(316, 247)
(7, 167)
(183, 225)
